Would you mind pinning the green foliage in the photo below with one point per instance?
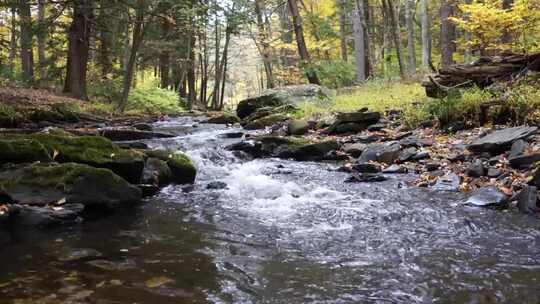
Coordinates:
(335, 73)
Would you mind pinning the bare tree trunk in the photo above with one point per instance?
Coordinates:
(426, 35)
(78, 50)
(359, 41)
(410, 12)
(394, 29)
(300, 41)
(41, 40)
(264, 38)
(27, 58)
(164, 57)
(448, 33)
(13, 40)
(191, 77)
(138, 36)
(467, 37)
(217, 50)
(342, 4)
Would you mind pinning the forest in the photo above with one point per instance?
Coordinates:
(269, 151)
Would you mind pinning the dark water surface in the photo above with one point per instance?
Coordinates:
(282, 232)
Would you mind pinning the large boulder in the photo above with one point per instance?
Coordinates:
(502, 140)
(22, 151)
(386, 153)
(70, 183)
(182, 169)
(266, 121)
(95, 151)
(281, 96)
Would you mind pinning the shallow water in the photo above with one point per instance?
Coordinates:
(282, 232)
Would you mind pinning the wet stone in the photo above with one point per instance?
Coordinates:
(518, 148)
(524, 161)
(432, 166)
(527, 200)
(450, 182)
(395, 169)
(78, 254)
(366, 178)
(476, 169)
(216, 185)
(494, 172)
(488, 196)
(421, 155)
(407, 154)
(233, 135)
(501, 140)
(367, 168)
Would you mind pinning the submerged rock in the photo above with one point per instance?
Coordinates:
(47, 216)
(44, 184)
(216, 185)
(488, 196)
(450, 182)
(501, 140)
(366, 178)
(367, 168)
(78, 254)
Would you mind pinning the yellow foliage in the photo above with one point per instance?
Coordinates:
(488, 22)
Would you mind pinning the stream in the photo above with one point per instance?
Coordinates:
(281, 232)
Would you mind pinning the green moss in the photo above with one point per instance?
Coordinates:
(9, 116)
(83, 149)
(182, 168)
(22, 150)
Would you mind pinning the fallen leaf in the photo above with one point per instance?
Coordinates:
(157, 282)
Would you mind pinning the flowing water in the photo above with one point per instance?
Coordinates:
(281, 232)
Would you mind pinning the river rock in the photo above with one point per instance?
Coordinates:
(501, 140)
(518, 148)
(22, 151)
(78, 254)
(216, 185)
(143, 126)
(223, 119)
(476, 169)
(297, 127)
(366, 178)
(156, 172)
(395, 169)
(266, 121)
(413, 141)
(44, 184)
(48, 216)
(407, 154)
(367, 168)
(94, 151)
(488, 196)
(354, 150)
(233, 135)
(524, 161)
(281, 96)
(449, 182)
(182, 169)
(494, 172)
(527, 200)
(353, 122)
(383, 153)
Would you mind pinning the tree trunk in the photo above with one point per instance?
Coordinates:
(264, 38)
(13, 40)
(426, 36)
(41, 40)
(359, 41)
(300, 41)
(191, 77)
(165, 57)
(410, 12)
(507, 37)
(138, 36)
(27, 58)
(78, 49)
(342, 4)
(217, 50)
(105, 38)
(394, 29)
(448, 33)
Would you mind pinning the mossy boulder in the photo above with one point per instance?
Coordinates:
(22, 151)
(10, 117)
(44, 184)
(156, 172)
(183, 170)
(266, 121)
(286, 95)
(223, 119)
(91, 150)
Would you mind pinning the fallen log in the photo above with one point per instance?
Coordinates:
(482, 73)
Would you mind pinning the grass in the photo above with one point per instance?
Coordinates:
(375, 95)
